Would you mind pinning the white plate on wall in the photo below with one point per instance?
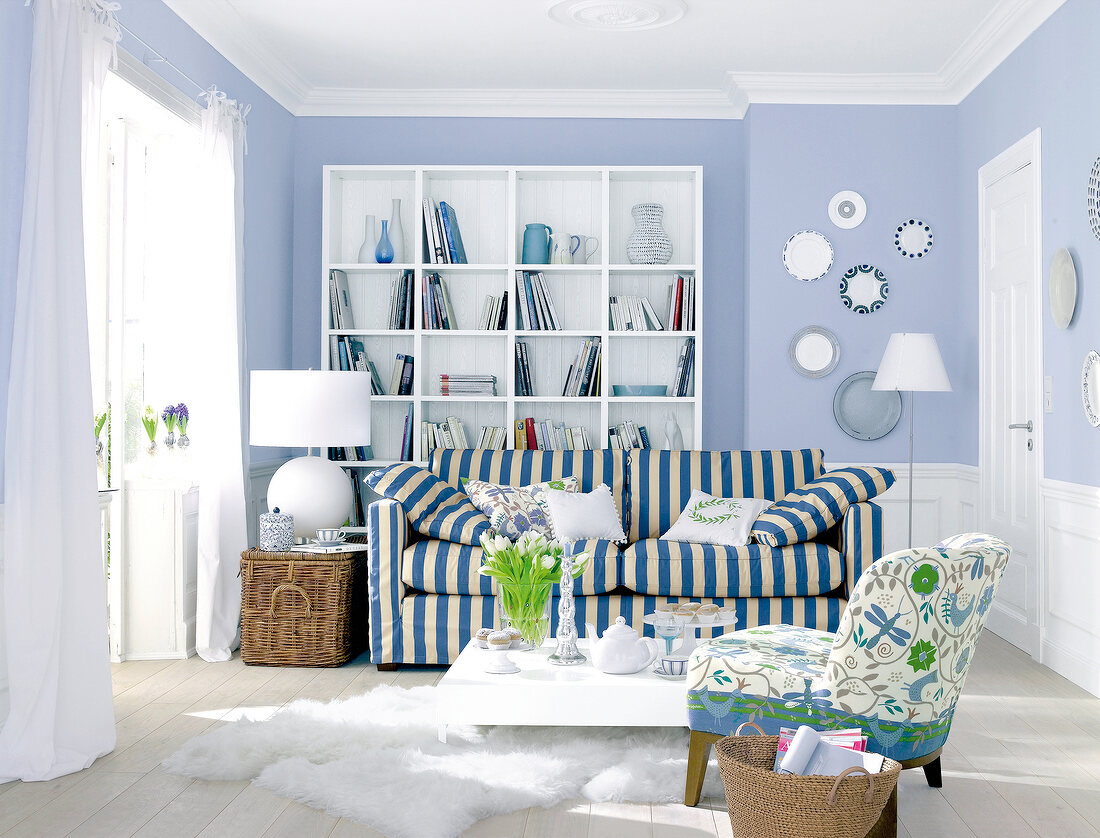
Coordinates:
(1094, 198)
(1062, 286)
(863, 289)
(807, 255)
(864, 413)
(814, 352)
(913, 238)
(847, 209)
(1090, 388)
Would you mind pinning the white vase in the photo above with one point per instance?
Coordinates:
(674, 439)
(370, 239)
(397, 235)
(648, 244)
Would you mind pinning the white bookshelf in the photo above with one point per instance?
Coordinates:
(493, 205)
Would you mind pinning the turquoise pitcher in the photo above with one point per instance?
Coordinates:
(536, 244)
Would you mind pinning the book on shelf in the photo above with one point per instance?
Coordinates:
(583, 378)
(452, 434)
(685, 366)
(451, 234)
(401, 302)
(401, 380)
(351, 453)
(543, 435)
(340, 300)
(407, 437)
(467, 385)
(438, 313)
(524, 386)
(494, 317)
(627, 435)
(442, 238)
(631, 313)
(535, 304)
(681, 304)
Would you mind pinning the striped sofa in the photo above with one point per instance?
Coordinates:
(427, 598)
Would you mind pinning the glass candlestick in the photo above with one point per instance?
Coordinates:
(567, 653)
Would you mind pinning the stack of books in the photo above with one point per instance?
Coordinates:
(351, 454)
(681, 304)
(544, 435)
(583, 378)
(358, 516)
(349, 353)
(442, 240)
(401, 302)
(495, 316)
(467, 385)
(401, 381)
(438, 313)
(524, 387)
(681, 382)
(536, 306)
(340, 300)
(631, 313)
(627, 435)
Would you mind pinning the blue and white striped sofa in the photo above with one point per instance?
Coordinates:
(427, 598)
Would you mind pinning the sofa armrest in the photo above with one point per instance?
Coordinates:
(388, 536)
(860, 541)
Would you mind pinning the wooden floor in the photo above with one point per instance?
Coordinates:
(1023, 760)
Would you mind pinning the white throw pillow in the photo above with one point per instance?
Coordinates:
(712, 520)
(581, 516)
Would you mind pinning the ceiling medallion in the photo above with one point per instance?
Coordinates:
(617, 15)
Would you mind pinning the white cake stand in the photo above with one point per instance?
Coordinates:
(691, 631)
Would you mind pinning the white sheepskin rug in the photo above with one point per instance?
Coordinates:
(376, 759)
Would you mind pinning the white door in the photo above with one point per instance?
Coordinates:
(1011, 354)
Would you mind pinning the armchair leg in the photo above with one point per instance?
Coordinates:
(932, 773)
(698, 755)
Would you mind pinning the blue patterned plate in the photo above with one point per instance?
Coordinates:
(863, 289)
(864, 413)
(913, 238)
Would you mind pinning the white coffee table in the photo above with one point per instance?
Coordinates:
(544, 694)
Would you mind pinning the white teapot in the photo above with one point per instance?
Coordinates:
(621, 651)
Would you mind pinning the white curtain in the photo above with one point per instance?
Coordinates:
(60, 717)
(222, 452)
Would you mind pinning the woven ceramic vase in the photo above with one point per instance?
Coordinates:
(648, 244)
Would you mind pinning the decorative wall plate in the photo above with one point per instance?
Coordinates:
(864, 413)
(1090, 387)
(864, 289)
(814, 352)
(913, 238)
(847, 209)
(1062, 285)
(1094, 198)
(807, 255)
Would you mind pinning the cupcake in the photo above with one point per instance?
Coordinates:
(726, 613)
(517, 637)
(707, 613)
(666, 607)
(499, 641)
(688, 606)
(685, 614)
(482, 637)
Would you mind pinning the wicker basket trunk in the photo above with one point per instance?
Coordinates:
(764, 804)
(302, 609)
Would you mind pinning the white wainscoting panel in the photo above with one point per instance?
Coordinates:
(1069, 617)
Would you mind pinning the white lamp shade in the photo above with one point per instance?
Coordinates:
(309, 408)
(912, 362)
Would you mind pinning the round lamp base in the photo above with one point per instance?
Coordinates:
(316, 492)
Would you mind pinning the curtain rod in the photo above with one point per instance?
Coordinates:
(158, 57)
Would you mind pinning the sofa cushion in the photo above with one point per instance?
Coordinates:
(514, 510)
(443, 567)
(522, 468)
(434, 508)
(816, 507)
(661, 481)
(677, 568)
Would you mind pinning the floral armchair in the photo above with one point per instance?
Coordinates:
(895, 667)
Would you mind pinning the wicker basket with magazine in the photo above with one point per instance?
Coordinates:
(765, 804)
(303, 609)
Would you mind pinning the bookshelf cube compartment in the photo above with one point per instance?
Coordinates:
(485, 354)
(472, 415)
(467, 291)
(370, 293)
(568, 202)
(652, 359)
(654, 285)
(480, 202)
(576, 294)
(653, 417)
(550, 357)
(572, 413)
(382, 350)
(387, 428)
(355, 193)
(675, 191)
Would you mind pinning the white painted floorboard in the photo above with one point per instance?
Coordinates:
(1023, 761)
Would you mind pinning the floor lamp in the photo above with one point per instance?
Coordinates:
(912, 363)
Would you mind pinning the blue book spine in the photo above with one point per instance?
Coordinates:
(530, 299)
(343, 357)
(450, 230)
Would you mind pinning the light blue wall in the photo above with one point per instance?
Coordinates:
(1050, 82)
(902, 161)
(716, 145)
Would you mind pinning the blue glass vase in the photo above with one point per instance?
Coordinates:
(384, 252)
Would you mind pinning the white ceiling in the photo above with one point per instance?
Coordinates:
(508, 58)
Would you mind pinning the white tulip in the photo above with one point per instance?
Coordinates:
(548, 562)
(500, 543)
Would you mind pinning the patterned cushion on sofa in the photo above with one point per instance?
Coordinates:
(443, 567)
(434, 508)
(677, 568)
(514, 510)
(816, 507)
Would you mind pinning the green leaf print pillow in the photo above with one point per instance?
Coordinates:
(712, 520)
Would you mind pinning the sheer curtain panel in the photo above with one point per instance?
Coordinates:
(60, 717)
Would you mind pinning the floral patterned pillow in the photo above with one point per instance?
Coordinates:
(514, 510)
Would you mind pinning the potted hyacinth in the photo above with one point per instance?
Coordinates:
(182, 418)
(525, 572)
(149, 420)
(168, 416)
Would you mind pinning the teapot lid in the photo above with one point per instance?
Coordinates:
(620, 631)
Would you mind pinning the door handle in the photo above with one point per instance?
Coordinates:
(1027, 426)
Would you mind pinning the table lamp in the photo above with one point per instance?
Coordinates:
(912, 363)
(310, 408)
